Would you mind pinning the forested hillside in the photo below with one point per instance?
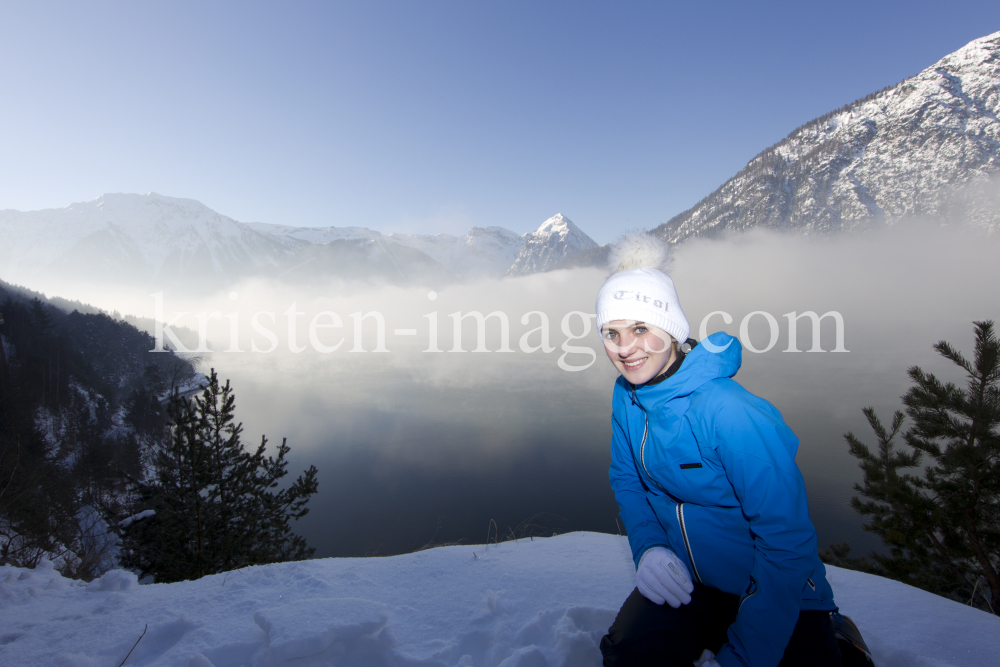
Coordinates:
(80, 408)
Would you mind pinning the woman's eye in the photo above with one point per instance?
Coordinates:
(640, 330)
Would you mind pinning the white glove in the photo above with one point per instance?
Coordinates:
(707, 659)
(662, 577)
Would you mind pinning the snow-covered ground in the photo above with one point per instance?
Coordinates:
(532, 603)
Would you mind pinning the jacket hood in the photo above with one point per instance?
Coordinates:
(718, 356)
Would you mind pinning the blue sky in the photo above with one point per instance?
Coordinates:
(435, 116)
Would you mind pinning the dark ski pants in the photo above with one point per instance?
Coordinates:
(645, 633)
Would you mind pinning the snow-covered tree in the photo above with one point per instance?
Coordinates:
(215, 503)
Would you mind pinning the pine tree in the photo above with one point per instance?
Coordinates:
(215, 504)
(942, 527)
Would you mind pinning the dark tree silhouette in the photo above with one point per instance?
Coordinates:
(215, 503)
(942, 527)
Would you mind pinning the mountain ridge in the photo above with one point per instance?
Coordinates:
(928, 147)
(923, 147)
(176, 242)
(97, 239)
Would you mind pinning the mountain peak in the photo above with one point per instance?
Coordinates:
(920, 148)
(556, 224)
(554, 240)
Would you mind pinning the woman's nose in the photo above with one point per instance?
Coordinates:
(626, 345)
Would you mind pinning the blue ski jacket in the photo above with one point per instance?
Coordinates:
(703, 467)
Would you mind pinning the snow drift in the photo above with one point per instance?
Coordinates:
(545, 602)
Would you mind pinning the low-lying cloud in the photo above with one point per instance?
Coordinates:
(429, 415)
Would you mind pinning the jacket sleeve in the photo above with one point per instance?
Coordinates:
(758, 450)
(643, 528)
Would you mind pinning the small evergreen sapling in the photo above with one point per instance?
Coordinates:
(215, 503)
(942, 528)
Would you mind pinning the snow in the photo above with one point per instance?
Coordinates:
(145, 514)
(120, 238)
(926, 147)
(531, 603)
(142, 235)
(115, 580)
(97, 539)
(555, 239)
(483, 252)
(313, 234)
(290, 636)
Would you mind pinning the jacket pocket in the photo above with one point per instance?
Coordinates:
(719, 539)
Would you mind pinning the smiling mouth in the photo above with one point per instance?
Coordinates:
(632, 365)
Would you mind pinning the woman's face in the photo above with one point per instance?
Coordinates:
(639, 351)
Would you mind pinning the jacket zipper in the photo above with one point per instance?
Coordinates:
(750, 592)
(687, 542)
(642, 454)
(680, 506)
(642, 447)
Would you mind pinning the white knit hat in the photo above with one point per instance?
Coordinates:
(639, 288)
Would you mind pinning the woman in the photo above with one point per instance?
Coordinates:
(727, 571)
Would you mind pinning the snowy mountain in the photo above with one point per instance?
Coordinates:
(556, 239)
(136, 238)
(363, 260)
(928, 146)
(318, 235)
(484, 251)
(516, 604)
(159, 241)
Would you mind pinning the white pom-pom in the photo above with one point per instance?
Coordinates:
(639, 250)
